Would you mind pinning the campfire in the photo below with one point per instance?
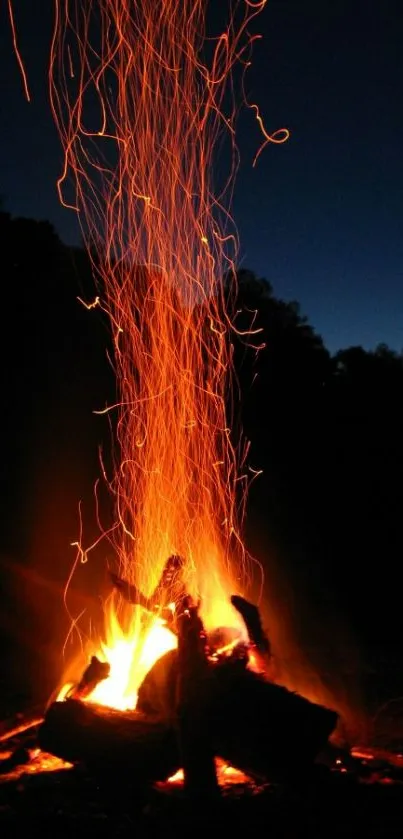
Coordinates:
(181, 694)
(142, 96)
(209, 728)
(201, 710)
(201, 696)
(201, 714)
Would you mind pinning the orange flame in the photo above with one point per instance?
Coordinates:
(131, 653)
(141, 98)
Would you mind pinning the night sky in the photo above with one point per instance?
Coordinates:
(321, 217)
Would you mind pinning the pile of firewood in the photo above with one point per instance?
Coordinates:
(194, 704)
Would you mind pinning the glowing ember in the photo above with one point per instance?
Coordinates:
(20, 729)
(227, 776)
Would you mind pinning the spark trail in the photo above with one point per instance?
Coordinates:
(141, 98)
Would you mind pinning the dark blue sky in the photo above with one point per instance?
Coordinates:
(320, 217)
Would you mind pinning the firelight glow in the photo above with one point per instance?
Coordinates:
(141, 99)
(130, 654)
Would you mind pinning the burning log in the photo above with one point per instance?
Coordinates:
(253, 622)
(260, 644)
(262, 728)
(108, 741)
(259, 727)
(218, 706)
(169, 588)
(157, 695)
(193, 677)
(95, 673)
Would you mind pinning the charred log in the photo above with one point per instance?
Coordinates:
(260, 647)
(157, 695)
(110, 741)
(252, 620)
(264, 729)
(218, 706)
(193, 712)
(95, 673)
(128, 591)
(169, 589)
(259, 727)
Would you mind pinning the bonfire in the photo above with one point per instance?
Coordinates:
(143, 99)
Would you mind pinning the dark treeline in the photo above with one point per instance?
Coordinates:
(324, 518)
(327, 432)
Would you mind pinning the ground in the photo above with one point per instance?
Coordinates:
(331, 802)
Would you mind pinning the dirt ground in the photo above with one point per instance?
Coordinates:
(334, 801)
